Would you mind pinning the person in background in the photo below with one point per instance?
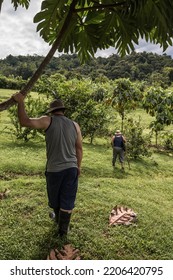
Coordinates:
(64, 156)
(117, 142)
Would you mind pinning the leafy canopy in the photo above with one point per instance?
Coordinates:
(84, 26)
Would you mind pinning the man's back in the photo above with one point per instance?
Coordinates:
(118, 141)
(61, 138)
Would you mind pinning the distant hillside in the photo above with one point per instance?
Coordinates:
(137, 66)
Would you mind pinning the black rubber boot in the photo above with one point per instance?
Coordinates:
(64, 221)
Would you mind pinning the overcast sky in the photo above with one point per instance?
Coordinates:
(18, 34)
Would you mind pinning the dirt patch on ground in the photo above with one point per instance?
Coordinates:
(7, 176)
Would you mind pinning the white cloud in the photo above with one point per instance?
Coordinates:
(144, 46)
(18, 32)
(19, 37)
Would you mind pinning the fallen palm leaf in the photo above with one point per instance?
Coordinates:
(67, 253)
(122, 215)
(4, 194)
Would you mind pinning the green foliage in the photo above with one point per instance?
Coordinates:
(163, 79)
(156, 128)
(34, 108)
(47, 85)
(153, 100)
(85, 106)
(167, 139)
(11, 82)
(137, 142)
(159, 103)
(92, 117)
(150, 68)
(126, 97)
(86, 26)
(159, 80)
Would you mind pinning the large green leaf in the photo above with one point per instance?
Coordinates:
(99, 24)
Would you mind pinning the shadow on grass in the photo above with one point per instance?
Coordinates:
(49, 241)
(38, 144)
(137, 167)
(106, 172)
(101, 166)
(12, 175)
(144, 166)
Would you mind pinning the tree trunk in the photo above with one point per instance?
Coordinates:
(8, 103)
(156, 139)
(122, 122)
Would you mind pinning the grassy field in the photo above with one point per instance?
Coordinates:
(28, 233)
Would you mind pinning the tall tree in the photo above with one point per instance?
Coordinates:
(126, 97)
(157, 102)
(84, 26)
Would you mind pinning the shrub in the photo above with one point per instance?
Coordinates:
(137, 143)
(167, 138)
(34, 107)
(11, 82)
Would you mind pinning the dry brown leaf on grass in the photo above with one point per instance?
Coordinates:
(4, 194)
(122, 215)
(67, 253)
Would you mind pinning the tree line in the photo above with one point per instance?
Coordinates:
(148, 67)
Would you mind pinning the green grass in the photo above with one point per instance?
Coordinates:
(147, 188)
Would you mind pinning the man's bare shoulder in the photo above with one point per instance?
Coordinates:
(77, 126)
(42, 122)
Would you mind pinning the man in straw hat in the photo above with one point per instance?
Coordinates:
(64, 156)
(117, 142)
